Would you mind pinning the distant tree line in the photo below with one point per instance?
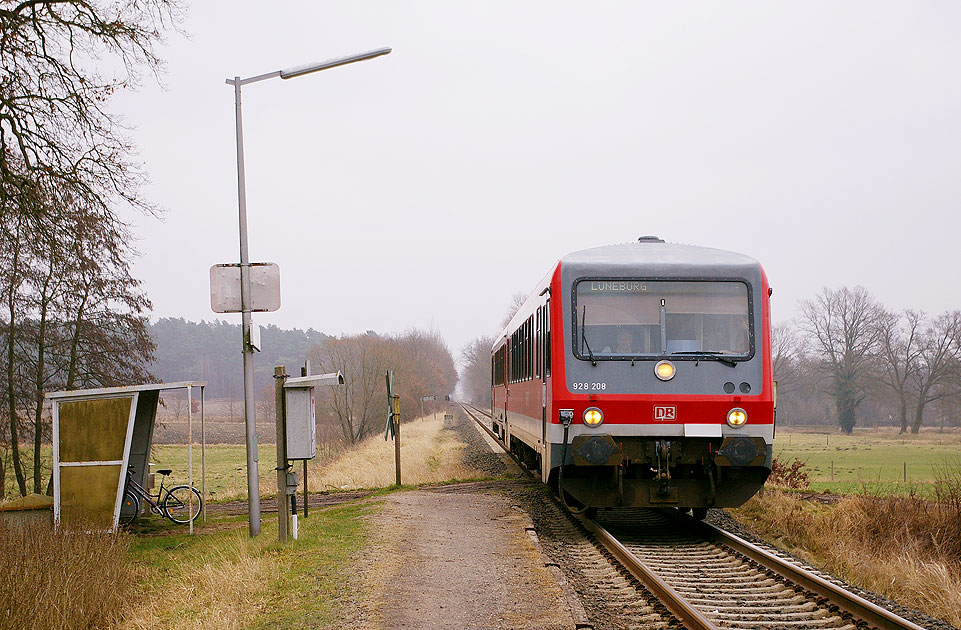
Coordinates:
(847, 359)
(210, 351)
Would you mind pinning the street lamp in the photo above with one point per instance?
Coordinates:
(253, 484)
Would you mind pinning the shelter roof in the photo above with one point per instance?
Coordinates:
(128, 389)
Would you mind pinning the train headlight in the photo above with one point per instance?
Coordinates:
(593, 417)
(664, 370)
(736, 417)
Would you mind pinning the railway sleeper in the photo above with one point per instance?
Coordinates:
(730, 591)
(748, 599)
(733, 607)
(767, 614)
(834, 623)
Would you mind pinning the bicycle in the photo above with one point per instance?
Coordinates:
(173, 503)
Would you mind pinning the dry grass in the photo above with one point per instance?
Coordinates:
(225, 579)
(906, 548)
(222, 586)
(428, 454)
(64, 581)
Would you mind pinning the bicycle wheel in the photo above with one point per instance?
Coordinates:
(177, 504)
(129, 507)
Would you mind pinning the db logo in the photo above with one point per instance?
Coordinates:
(664, 414)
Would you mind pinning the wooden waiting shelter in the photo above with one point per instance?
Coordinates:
(97, 434)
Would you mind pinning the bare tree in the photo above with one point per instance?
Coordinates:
(362, 402)
(476, 362)
(73, 315)
(843, 325)
(517, 301)
(55, 130)
(785, 355)
(899, 349)
(422, 366)
(937, 363)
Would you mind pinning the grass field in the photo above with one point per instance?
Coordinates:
(876, 462)
(224, 579)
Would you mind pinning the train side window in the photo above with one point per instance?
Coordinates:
(537, 345)
(528, 355)
(513, 357)
(524, 351)
(520, 353)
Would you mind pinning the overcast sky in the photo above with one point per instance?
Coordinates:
(427, 187)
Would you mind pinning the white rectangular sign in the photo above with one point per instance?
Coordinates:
(264, 287)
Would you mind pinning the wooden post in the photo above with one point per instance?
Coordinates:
(283, 506)
(397, 437)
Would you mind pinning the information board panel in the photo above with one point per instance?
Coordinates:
(264, 287)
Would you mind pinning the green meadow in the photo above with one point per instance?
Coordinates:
(871, 461)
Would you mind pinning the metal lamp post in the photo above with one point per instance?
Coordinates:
(253, 484)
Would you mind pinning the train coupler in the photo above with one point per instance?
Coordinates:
(595, 450)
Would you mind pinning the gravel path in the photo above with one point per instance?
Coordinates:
(457, 560)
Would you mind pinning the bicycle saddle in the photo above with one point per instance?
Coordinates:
(164, 472)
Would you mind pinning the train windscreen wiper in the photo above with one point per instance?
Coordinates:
(584, 336)
(720, 357)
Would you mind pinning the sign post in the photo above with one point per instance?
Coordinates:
(393, 422)
(232, 290)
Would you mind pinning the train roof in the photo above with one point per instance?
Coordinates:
(649, 252)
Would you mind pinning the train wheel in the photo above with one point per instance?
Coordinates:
(700, 513)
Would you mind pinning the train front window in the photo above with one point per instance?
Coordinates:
(620, 318)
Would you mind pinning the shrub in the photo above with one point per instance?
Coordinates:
(63, 580)
(792, 475)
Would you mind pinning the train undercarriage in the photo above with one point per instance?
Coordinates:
(603, 471)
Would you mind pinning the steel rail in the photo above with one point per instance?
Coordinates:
(678, 606)
(854, 605)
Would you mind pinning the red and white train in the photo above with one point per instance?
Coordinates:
(640, 375)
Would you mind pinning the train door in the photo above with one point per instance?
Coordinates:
(539, 370)
(545, 372)
(508, 379)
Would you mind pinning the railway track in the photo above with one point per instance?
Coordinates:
(708, 578)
